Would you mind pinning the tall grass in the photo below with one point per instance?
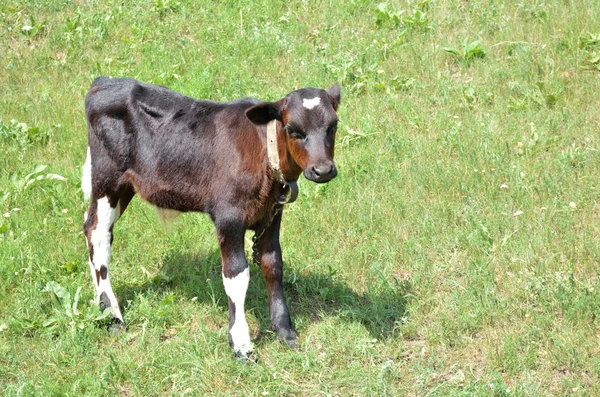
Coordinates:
(457, 252)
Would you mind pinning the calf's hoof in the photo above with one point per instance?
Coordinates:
(289, 337)
(245, 356)
(116, 326)
(292, 344)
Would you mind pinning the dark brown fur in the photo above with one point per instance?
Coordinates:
(184, 154)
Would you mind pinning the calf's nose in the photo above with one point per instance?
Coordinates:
(324, 172)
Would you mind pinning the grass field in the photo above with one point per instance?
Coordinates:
(457, 253)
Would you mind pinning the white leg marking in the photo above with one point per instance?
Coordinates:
(105, 286)
(236, 288)
(107, 216)
(114, 304)
(100, 240)
(311, 103)
(86, 178)
(166, 216)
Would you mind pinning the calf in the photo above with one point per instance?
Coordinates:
(236, 161)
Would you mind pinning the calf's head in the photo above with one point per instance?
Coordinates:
(309, 122)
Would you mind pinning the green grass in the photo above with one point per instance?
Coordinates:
(457, 253)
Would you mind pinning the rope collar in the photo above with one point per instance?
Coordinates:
(290, 192)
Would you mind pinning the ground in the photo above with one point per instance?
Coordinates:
(457, 252)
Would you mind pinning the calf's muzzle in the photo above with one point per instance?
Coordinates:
(322, 172)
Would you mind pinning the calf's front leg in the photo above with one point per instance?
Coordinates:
(236, 277)
(98, 229)
(271, 263)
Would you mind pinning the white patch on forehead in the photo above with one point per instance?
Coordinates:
(311, 103)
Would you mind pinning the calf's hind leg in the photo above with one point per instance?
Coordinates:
(98, 229)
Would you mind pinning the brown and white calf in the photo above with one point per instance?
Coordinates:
(181, 154)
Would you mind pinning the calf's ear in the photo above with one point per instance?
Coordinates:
(264, 112)
(335, 95)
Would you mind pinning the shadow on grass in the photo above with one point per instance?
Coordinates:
(311, 297)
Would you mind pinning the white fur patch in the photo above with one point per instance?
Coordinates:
(105, 286)
(114, 304)
(86, 178)
(100, 238)
(311, 103)
(236, 288)
(166, 216)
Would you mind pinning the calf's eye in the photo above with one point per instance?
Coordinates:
(332, 129)
(294, 133)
